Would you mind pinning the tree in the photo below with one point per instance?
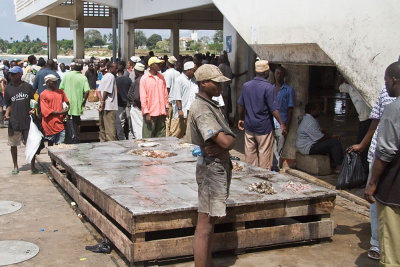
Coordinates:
(163, 46)
(218, 36)
(93, 37)
(140, 39)
(205, 39)
(152, 41)
(3, 45)
(26, 39)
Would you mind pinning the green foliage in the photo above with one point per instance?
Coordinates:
(215, 47)
(163, 46)
(152, 41)
(140, 39)
(93, 38)
(27, 46)
(4, 45)
(65, 45)
(218, 36)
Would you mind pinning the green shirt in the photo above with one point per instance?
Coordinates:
(75, 84)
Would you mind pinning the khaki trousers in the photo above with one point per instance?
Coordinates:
(178, 127)
(389, 234)
(108, 130)
(259, 149)
(168, 120)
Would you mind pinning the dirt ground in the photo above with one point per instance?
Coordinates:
(63, 241)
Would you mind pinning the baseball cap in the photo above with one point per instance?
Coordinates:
(210, 72)
(172, 60)
(188, 65)
(262, 66)
(16, 69)
(153, 60)
(50, 77)
(135, 59)
(139, 67)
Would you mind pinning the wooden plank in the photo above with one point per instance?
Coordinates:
(249, 238)
(119, 239)
(121, 215)
(176, 220)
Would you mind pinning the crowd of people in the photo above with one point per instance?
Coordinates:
(189, 97)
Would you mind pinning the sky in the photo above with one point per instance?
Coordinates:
(10, 28)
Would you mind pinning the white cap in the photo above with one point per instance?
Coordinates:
(139, 67)
(135, 59)
(188, 65)
(50, 77)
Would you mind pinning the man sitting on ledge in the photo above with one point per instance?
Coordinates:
(311, 140)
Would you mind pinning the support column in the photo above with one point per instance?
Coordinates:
(125, 40)
(131, 44)
(52, 45)
(174, 40)
(114, 33)
(297, 76)
(79, 42)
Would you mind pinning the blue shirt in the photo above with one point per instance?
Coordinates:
(38, 83)
(286, 100)
(259, 99)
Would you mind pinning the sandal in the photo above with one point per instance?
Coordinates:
(14, 172)
(373, 253)
(37, 172)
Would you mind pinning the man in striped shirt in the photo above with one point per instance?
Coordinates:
(371, 138)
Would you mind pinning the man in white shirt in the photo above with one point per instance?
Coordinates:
(181, 93)
(108, 104)
(311, 140)
(170, 76)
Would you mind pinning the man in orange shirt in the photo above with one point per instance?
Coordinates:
(154, 100)
(53, 110)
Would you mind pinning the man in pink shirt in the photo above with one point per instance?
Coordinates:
(154, 100)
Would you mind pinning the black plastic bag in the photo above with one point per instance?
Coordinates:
(352, 174)
(71, 132)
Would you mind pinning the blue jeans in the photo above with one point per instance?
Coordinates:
(57, 138)
(373, 214)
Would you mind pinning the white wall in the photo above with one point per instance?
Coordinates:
(134, 9)
(359, 36)
(241, 59)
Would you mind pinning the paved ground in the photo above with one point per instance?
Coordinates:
(63, 241)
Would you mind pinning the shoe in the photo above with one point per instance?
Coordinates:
(275, 169)
(37, 172)
(373, 253)
(103, 247)
(14, 172)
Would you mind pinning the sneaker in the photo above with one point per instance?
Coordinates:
(103, 247)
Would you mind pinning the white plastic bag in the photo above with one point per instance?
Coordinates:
(32, 144)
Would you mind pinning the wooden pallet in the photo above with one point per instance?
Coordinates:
(122, 204)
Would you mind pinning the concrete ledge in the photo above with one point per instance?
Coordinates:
(314, 164)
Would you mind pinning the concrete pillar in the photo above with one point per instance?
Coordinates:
(174, 40)
(79, 39)
(114, 34)
(298, 78)
(125, 40)
(131, 40)
(241, 58)
(52, 45)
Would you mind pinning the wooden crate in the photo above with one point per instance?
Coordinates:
(148, 207)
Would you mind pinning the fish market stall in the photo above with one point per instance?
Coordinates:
(142, 194)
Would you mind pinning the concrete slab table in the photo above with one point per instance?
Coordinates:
(148, 206)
